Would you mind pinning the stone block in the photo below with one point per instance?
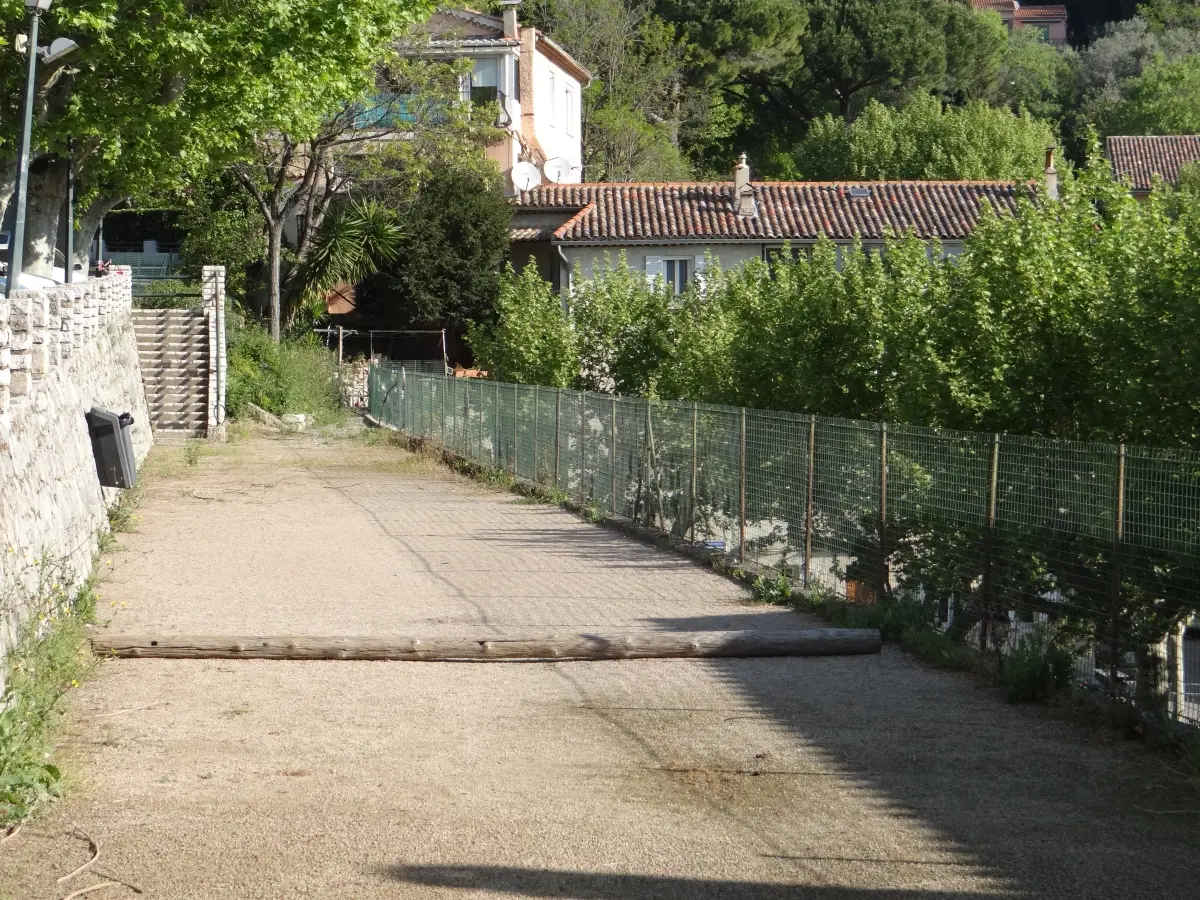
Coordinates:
(21, 383)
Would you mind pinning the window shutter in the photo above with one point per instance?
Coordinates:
(699, 270)
(655, 268)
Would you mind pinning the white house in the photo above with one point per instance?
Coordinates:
(537, 84)
(669, 229)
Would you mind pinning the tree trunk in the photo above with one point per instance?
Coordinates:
(274, 285)
(89, 224)
(43, 212)
(489, 647)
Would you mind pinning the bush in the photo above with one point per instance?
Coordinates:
(295, 376)
(1037, 670)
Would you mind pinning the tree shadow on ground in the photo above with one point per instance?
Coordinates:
(1030, 797)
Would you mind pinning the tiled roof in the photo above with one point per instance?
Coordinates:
(530, 234)
(1041, 12)
(1141, 158)
(1032, 11)
(631, 213)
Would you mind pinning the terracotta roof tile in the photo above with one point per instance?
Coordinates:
(707, 211)
(1141, 158)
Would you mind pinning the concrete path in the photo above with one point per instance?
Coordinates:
(802, 779)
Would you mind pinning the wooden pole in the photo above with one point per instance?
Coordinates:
(1114, 625)
(341, 344)
(883, 485)
(808, 496)
(742, 489)
(490, 647)
(695, 469)
(612, 454)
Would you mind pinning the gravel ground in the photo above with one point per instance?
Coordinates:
(782, 779)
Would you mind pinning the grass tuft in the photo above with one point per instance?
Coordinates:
(50, 657)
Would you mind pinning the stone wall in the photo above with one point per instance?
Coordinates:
(62, 351)
(354, 382)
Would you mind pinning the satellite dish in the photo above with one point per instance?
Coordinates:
(525, 176)
(557, 170)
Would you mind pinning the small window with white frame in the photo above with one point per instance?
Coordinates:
(569, 109)
(553, 100)
(677, 272)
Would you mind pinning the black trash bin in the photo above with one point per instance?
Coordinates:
(112, 447)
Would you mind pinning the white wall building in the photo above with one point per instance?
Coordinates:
(537, 84)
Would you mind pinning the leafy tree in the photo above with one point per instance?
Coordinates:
(924, 140)
(637, 102)
(455, 239)
(299, 177)
(785, 68)
(527, 340)
(1036, 76)
(1164, 99)
(161, 90)
(223, 227)
(622, 328)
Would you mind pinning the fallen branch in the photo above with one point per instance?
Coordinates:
(87, 890)
(12, 833)
(117, 712)
(490, 648)
(92, 845)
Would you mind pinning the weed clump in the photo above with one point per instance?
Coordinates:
(1036, 670)
(297, 375)
(49, 657)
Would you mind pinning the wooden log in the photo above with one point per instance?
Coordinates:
(487, 648)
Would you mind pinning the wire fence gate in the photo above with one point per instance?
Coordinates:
(998, 538)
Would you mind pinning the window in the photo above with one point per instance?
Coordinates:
(485, 80)
(569, 109)
(517, 79)
(1042, 30)
(675, 271)
(553, 100)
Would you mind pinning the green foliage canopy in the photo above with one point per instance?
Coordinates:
(925, 140)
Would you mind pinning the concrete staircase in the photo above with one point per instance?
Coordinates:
(173, 346)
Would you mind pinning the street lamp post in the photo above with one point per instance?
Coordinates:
(16, 247)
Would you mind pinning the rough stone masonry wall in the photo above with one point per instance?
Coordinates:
(62, 351)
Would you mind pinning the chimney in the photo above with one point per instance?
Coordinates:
(511, 30)
(1051, 175)
(742, 192)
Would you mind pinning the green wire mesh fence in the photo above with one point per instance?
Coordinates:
(997, 540)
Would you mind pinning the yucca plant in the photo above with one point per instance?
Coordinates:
(356, 241)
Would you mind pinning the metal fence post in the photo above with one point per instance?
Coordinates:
(612, 455)
(557, 419)
(742, 490)
(808, 496)
(496, 426)
(442, 424)
(1114, 636)
(516, 457)
(883, 486)
(989, 538)
(695, 467)
(582, 443)
(536, 480)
